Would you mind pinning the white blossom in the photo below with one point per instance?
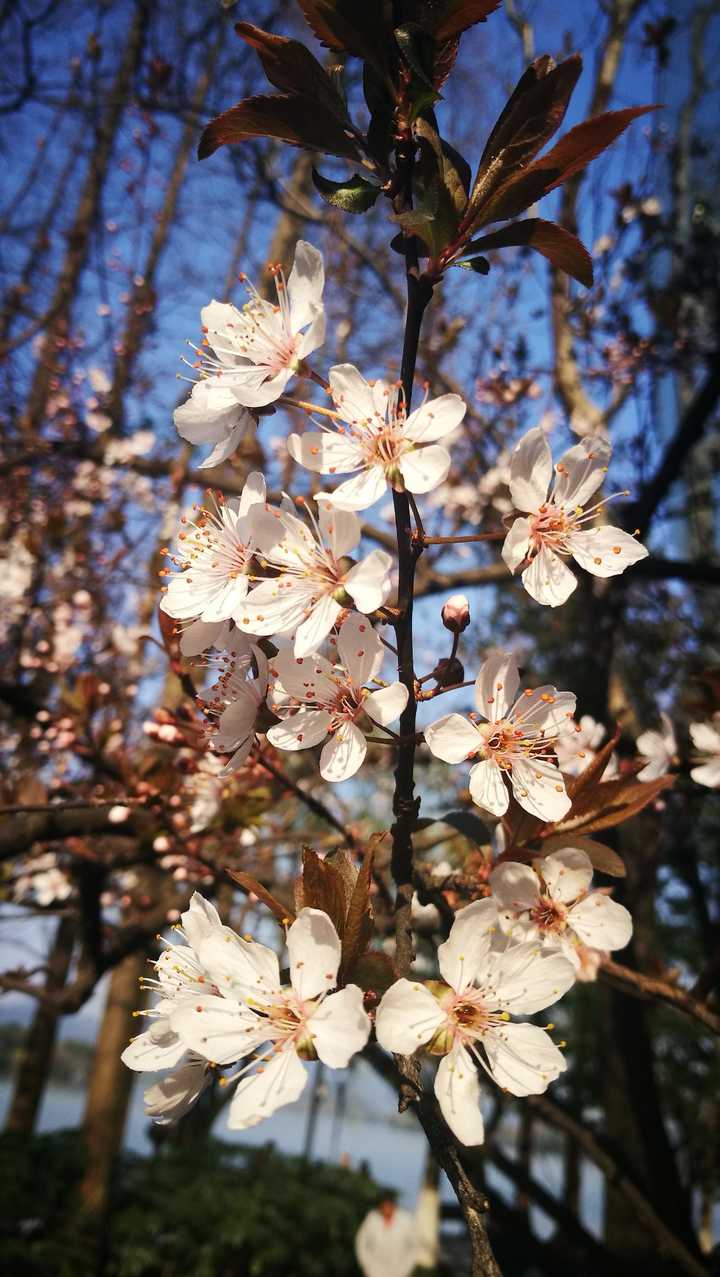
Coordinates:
(249, 355)
(552, 904)
(315, 699)
(466, 1017)
(513, 744)
(216, 548)
(316, 579)
(706, 739)
(250, 1012)
(577, 745)
(236, 700)
(378, 441)
(554, 519)
(659, 748)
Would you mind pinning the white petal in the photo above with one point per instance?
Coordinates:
(606, 551)
(601, 923)
(408, 1016)
(496, 686)
(240, 968)
(174, 1095)
(200, 636)
(369, 582)
(515, 886)
(463, 956)
(457, 1089)
(270, 609)
(253, 493)
(544, 709)
(219, 1029)
(315, 950)
(387, 704)
(359, 492)
(705, 737)
(488, 789)
(516, 546)
(708, 774)
(523, 1059)
(211, 413)
(340, 530)
(527, 979)
(226, 446)
(424, 469)
(580, 471)
(305, 285)
(301, 730)
(452, 738)
(313, 336)
(311, 633)
(359, 649)
(434, 419)
(325, 453)
(275, 1084)
(539, 788)
(157, 1048)
(344, 753)
(237, 722)
(567, 873)
(530, 470)
(340, 1027)
(200, 920)
(352, 394)
(548, 580)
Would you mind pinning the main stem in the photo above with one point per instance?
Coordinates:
(405, 805)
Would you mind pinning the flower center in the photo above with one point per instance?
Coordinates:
(548, 915)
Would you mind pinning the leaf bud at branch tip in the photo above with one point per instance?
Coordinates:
(456, 614)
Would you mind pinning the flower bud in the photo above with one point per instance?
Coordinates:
(448, 672)
(456, 614)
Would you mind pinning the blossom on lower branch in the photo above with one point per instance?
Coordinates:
(514, 744)
(235, 1008)
(466, 1017)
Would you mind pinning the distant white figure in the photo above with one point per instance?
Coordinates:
(386, 1242)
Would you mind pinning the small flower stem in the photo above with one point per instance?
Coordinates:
(418, 520)
(499, 535)
(292, 402)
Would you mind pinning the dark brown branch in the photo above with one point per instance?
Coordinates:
(653, 990)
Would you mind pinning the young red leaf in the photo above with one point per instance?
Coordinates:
(358, 923)
(361, 29)
(559, 246)
(323, 888)
(289, 117)
(282, 912)
(291, 67)
(459, 15)
(534, 112)
(596, 768)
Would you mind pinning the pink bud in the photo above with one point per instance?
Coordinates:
(456, 614)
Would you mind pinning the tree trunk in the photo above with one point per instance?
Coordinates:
(106, 1108)
(33, 1067)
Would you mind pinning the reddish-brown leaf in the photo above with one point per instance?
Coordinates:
(603, 858)
(374, 972)
(533, 113)
(361, 29)
(282, 912)
(358, 923)
(559, 246)
(610, 803)
(323, 888)
(291, 67)
(595, 768)
(290, 117)
(460, 15)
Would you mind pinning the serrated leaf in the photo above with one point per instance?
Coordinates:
(291, 67)
(459, 15)
(568, 157)
(610, 803)
(467, 824)
(533, 113)
(602, 858)
(282, 912)
(561, 248)
(322, 888)
(351, 194)
(360, 29)
(418, 51)
(358, 922)
(289, 117)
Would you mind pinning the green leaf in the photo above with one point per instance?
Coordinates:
(291, 67)
(353, 194)
(480, 265)
(289, 117)
(418, 52)
(454, 171)
(559, 246)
